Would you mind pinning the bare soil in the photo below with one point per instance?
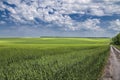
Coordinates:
(112, 69)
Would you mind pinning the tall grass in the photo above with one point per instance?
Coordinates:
(52, 58)
(58, 63)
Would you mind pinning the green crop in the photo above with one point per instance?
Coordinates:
(52, 58)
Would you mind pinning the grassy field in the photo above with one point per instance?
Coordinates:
(52, 58)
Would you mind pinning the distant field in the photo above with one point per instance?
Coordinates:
(52, 58)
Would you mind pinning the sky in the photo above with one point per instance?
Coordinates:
(67, 18)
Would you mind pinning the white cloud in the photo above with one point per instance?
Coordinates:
(98, 12)
(92, 24)
(89, 25)
(115, 25)
(2, 22)
(24, 13)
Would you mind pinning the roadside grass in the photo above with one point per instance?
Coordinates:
(117, 46)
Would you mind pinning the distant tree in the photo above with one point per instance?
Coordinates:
(116, 39)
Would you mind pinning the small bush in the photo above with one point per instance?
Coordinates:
(116, 39)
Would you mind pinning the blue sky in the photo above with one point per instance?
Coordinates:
(77, 18)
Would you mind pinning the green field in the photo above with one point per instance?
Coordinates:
(53, 58)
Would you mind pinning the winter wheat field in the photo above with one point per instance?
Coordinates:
(59, 40)
(53, 58)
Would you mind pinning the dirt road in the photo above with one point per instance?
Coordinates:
(112, 69)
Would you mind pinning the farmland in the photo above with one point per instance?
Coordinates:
(52, 58)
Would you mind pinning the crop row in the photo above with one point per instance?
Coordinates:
(61, 63)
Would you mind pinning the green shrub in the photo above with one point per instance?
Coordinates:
(116, 39)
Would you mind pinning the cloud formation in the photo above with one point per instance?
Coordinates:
(74, 15)
(115, 25)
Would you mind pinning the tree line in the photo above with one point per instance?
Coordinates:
(116, 39)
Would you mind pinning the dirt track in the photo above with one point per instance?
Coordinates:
(112, 69)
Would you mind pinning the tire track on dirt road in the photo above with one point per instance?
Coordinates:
(112, 69)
